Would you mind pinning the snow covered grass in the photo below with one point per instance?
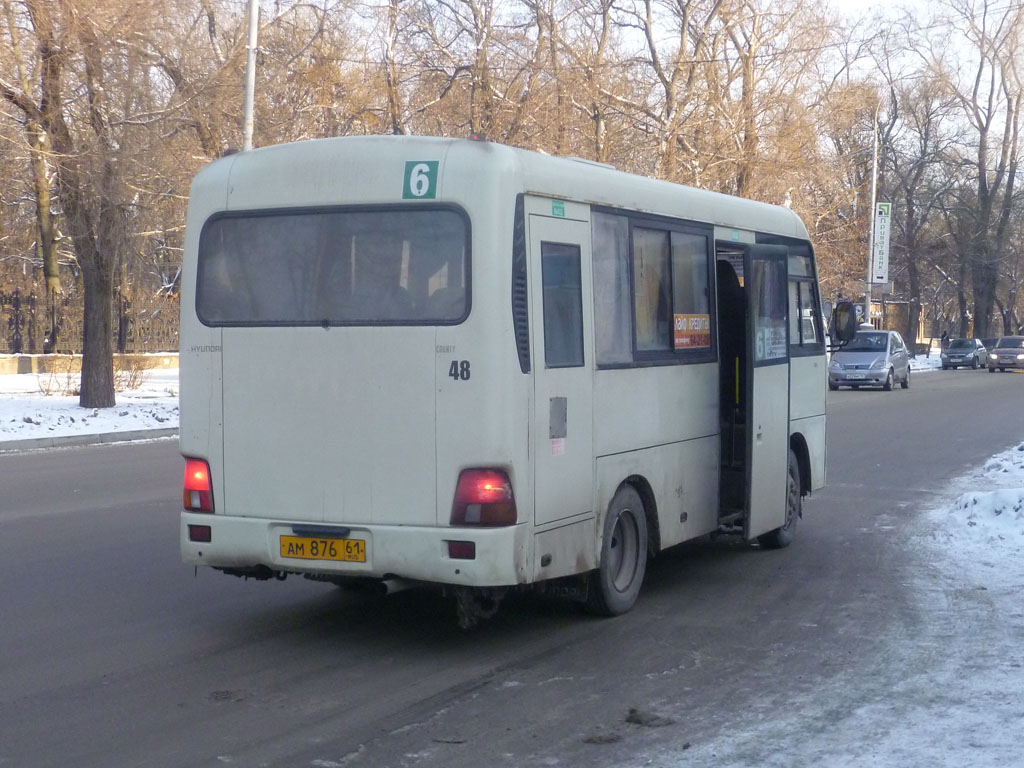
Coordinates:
(26, 413)
(983, 530)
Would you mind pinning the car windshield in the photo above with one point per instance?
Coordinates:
(961, 344)
(868, 342)
(1007, 342)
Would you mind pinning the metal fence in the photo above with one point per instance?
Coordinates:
(30, 324)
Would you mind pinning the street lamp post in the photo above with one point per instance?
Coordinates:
(874, 202)
(250, 75)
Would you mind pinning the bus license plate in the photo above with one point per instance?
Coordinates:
(311, 548)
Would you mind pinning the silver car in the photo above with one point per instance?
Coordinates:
(964, 352)
(1007, 353)
(871, 359)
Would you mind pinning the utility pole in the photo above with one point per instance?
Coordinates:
(250, 74)
(874, 202)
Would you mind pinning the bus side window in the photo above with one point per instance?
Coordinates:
(563, 305)
(805, 327)
(613, 326)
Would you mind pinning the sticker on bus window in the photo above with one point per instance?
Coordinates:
(558, 208)
(692, 331)
(770, 343)
(420, 180)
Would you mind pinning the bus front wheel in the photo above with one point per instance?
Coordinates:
(615, 584)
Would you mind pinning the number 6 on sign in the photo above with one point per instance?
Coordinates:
(420, 180)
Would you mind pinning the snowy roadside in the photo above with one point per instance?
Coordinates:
(26, 414)
(921, 363)
(947, 693)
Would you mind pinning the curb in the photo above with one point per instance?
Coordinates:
(68, 441)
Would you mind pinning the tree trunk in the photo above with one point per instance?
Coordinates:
(98, 347)
(92, 231)
(46, 226)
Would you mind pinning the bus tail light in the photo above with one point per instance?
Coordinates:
(198, 491)
(484, 497)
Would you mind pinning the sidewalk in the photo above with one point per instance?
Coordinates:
(31, 419)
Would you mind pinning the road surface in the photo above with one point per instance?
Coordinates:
(113, 653)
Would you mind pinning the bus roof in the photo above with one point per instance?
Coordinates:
(263, 175)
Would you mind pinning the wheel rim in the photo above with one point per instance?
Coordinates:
(623, 553)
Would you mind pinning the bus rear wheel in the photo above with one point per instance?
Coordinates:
(615, 585)
(783, 536)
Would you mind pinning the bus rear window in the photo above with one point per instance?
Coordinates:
(365, 266)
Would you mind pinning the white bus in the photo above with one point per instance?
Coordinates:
(420, 360)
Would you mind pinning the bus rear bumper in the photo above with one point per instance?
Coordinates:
(407, 552)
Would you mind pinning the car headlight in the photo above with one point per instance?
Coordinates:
(1020, 357)
(878, 365)
(993, 356)
(835, 365)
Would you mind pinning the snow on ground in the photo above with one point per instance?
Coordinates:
(949, 690)
(983, 530)
(27, 413)
(921, 363)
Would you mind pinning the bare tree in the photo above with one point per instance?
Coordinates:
(990, 100)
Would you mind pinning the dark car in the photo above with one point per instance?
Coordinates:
(959, 352)
(1007, 353)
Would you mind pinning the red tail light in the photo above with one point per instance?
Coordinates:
(484, 497)
(198, 491)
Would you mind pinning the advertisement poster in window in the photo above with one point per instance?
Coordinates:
(692, 331)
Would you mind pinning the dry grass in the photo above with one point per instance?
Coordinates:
(64, 374)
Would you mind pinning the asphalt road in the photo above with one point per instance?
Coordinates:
(113, 653)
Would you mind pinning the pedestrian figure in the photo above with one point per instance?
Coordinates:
(944, 341)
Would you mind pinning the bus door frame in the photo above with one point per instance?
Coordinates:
(767, 387)
(562, 420)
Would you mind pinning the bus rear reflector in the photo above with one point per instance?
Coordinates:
(462, 550)
(484, 497)
(202, 533)
(198, 493)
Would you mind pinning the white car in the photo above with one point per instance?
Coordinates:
(871, 359)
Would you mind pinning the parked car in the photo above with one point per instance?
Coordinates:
(1008, 353)
(970, 352)
(872, 359)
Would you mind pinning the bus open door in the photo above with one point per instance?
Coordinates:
(754, 354)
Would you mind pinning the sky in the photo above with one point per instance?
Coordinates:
(952, 692)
